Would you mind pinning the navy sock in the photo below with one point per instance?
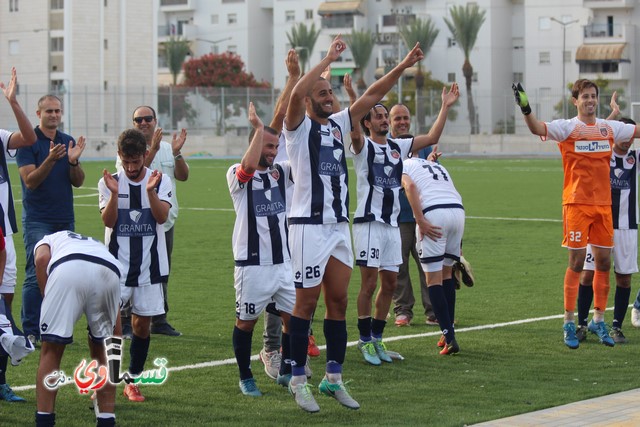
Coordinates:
(105, 422)
(620, 306)
(3, 369)
(242, 350)
(441, 310)
(299, 333)
(285, 365)
(364, 326)
(585, 298)
(335, 333)
(45, 420)
(449, 287)
(377, 328)
(138, 353)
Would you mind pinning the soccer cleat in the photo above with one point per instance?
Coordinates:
(451, 348)
(463, 272)
(283, 380)
(307, 369)
(600, 329)
(17, 347)
(271, 361)
(165, 329)
(570, 339)
(635, 317)
(132, 392)
(381, 350)
(303, 397)
(248, 387)
(442, 341)
(402, 320)
(312, 348)
(581, 333)
(618, 336)
(431, 321)
(369, 352)
(8, 395)
(339, 392)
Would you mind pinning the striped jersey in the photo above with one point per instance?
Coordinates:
(624, 190)
(434, 184)
(317, 156)
(586, 150)
(137, 240)
(260, 234)
(7, 211)
(379, 179)
(69, 245)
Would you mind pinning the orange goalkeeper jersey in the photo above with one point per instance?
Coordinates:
(586, 153)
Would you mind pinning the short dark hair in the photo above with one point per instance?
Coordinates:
(143, 106)
(627, 120)
(582, 84)
(367, 117)
(48, 96)
(132, 143)
(267, 129)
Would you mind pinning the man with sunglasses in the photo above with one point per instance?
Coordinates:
(164, 157)
(48, 171)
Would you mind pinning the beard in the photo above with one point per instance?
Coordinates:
(318, 111)
(382, 132)
(264, 163)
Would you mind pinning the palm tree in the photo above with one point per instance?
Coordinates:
(423, 32)
(361, 45)
(304, 39)
(176, 50)
(464, 25)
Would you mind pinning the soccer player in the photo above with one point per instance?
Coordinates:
(10, 141)
(439, 213)
(624, 208)
(258, 187)
(76, 275)
(134, 203)
(319, 235)
(378, 165)
(585, 143)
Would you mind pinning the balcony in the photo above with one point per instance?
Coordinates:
(609, 4)
(622, 71)
(605, 33)
(176, 5)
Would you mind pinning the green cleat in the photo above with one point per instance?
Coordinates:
(381, 350)
(303, 396)
(369, 352)
(339, 392)
(248, 387)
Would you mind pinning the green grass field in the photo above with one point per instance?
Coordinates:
(512, 356)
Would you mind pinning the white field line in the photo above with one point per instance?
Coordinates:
(231, 361)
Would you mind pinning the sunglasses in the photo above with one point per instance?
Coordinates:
(147, 119)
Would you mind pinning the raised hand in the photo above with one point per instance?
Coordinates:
(414, 56)
(337, 47)
(110, 182)
(292, 63)
(449, 98)
(521, 98)
(154, 180)
(253, 117)
(178, 141)
(10, 91)
(56, 151)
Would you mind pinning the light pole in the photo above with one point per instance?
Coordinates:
(214, 42)
(48, 73)
(564, 43)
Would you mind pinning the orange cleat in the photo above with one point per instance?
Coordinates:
(442, 341)
(312, 348)
(132, 392)
(451, 348)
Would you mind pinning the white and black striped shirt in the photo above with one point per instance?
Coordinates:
(624, 190)
(434, 184)
(7, 211)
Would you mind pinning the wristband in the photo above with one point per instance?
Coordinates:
(178, 157)
(74, 164)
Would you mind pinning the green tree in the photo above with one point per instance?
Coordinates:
(303, 39)
(424, 32)
(464, 25)
(361, 45)
(176, 50)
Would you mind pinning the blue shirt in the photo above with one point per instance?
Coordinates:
(52, 201)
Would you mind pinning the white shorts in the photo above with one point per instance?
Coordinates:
(259, 285)
(446, 250)
(8, 285)
(311, 247)
(145, 300)
(625, 253)
(377, 245)
(75, 287)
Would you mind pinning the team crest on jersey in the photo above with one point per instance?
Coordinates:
(275, 173)
(337, 134)
(135, 215)
(604, 131)
(631, 160)
(395, 154)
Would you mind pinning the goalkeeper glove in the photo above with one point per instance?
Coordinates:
(521, 99)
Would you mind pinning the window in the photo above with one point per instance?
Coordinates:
(308, 14)
(215, 19)
(106, 44)
(57, 44)
(545, 58)
(518, 77)
(474, 77)
(105, 86)
(57, 4)
(451, 42)
(14, 47)
(566, 56)
(57, 86)
(232, 18)
(544, 23)
(290, 16)
(451, 77)
(232, 49)
(13, 5)
(518, 42)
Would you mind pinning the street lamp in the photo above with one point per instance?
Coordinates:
(564, 42)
